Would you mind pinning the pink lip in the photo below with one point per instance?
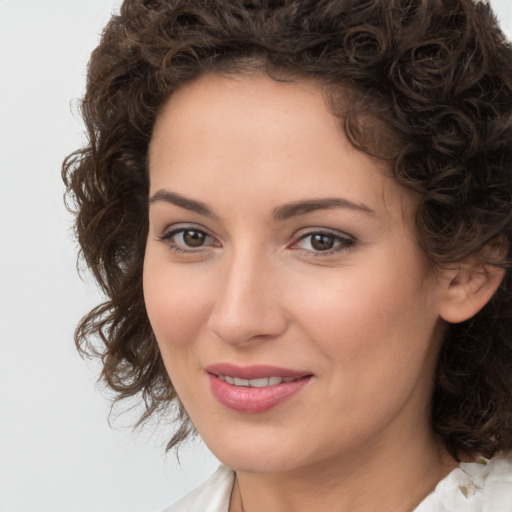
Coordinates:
(254, 400)
(253, 372)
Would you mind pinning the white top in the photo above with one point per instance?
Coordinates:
(484, 486)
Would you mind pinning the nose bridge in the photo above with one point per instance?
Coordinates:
(247, 304)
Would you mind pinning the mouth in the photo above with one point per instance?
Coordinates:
(256, 383)
(254, 389)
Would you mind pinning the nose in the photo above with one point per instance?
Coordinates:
(248, 303)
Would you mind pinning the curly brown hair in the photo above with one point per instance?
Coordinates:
(436, 73)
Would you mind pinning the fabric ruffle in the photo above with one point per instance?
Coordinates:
(482, 486)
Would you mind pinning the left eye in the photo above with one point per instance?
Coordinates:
(187, 239)
(323, 242)
(191, 237)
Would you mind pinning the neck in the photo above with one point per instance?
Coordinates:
(375, 480)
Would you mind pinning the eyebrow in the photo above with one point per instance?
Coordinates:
(183, 202)
(280, 213)
(302, 207)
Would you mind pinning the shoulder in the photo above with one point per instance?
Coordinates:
(484, 486)
(211, 496)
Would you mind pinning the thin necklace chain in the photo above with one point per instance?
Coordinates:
(240, 493)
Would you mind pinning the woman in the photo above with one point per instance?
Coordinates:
(301, 215)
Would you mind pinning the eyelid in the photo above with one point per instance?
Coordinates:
(171, 231)
(314, 230)
(347, 241)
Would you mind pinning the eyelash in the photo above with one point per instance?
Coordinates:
(168, 237)
(344, 243)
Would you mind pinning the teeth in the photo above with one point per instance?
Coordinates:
(259, 383)
(256, 383)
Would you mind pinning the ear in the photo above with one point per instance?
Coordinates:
(467, 289)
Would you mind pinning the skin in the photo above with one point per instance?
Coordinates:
(364, 318)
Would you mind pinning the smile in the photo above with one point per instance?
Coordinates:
(254, 389)
(255, 383)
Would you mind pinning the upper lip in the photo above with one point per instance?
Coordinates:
(254, 371)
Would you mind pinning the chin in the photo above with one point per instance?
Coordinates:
(256, 463)
(259, 454)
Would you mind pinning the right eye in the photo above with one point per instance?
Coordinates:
(187, 240)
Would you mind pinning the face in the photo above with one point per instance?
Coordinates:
(295, 312)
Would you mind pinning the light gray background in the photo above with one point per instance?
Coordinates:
(57, 451)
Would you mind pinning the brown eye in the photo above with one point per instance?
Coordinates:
(188, 240)
(322, 242)
(194, 238)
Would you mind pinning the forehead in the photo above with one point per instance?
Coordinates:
(244, 108)
(253, 131)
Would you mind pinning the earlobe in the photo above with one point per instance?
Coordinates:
(467, 289)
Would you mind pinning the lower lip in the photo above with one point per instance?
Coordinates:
(253, 400)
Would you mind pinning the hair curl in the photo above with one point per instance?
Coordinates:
(436, 73)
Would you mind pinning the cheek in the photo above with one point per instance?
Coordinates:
(173, 303)
(177, 311)
(381, 318)
(375, 346)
